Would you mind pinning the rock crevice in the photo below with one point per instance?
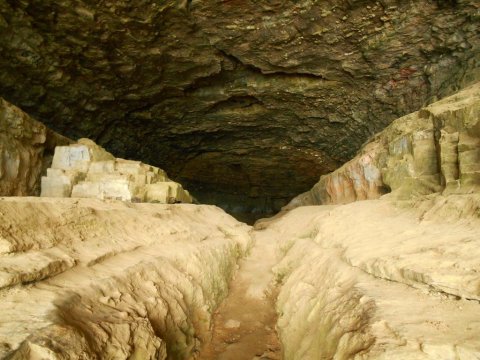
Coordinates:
(109, 287)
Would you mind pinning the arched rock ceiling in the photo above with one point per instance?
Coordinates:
(239, 98)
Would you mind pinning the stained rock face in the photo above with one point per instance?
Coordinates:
(436, 149)
(90, 279)
(86, 170)
(258, 99)
(26, 149)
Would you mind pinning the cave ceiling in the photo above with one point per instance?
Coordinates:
(234, 98)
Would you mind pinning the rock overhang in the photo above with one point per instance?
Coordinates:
(253, 101)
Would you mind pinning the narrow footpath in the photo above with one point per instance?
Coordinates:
(244, 324)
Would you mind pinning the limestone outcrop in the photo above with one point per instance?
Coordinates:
(436, 149)
(91, 279)
(86, 170)
(26, 149)
(377, 279)
(259, 98)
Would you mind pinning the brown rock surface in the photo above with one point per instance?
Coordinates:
(265, 95)
(26, 150)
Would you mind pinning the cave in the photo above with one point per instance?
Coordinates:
(246, 104)
(239, 179)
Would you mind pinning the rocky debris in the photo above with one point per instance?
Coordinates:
(85, 170)
(26, 149)
(249, 94)
(436, 149)
(379, 280)
(91, 279)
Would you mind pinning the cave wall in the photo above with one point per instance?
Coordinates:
(26, 151)
(433, 150)
(243, 102)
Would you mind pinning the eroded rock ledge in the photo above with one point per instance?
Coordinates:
(26, 150)
(379, 280)
(396, 277)
(88, 279)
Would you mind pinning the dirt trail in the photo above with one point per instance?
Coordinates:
(244, 325)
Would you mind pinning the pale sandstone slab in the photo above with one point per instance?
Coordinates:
(85, 170)
(56, 186)
(102, 167)
(380, 280)
(166, 192)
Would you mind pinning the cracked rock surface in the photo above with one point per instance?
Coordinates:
(235, 99)
(26, 150)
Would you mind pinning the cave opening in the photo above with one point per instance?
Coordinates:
(248, 185)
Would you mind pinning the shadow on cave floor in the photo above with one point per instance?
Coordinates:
(249, 217)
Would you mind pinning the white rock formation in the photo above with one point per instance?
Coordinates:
(86, 279)
(85, 170)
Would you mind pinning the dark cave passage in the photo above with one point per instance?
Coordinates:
(252, 185)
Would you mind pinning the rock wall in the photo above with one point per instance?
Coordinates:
(254, 100)
(86, 170)
(436, 149)
(90, 279)
(26, 149)
(393, 278)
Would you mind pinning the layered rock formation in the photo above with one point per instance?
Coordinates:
(436, 149)
(86, 279)
(85, 170)
(26, 150)
(241, 101)
(248, 102)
